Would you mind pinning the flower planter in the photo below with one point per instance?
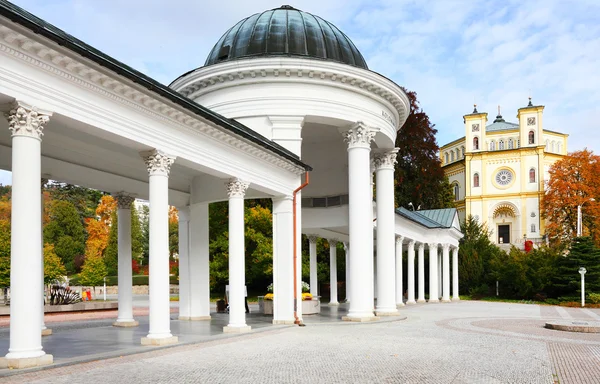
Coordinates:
(309, 307)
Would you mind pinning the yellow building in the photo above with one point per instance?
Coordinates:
(499, 172)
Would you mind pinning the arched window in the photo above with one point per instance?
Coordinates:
(463, 152)
(532, 175)
(446, 157)
(456, 192)
(452, 155)
(531, 137)
(559, 149)
(552, 146)
(457, 153)
(518, 143)
(476, 180)
(476, 143)
(492, 145)
(532, 227)
(547, 146)
(501, 144)
(511, 144)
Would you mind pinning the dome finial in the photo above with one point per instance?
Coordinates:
(530, 104)
(475, 108)
(499, 118)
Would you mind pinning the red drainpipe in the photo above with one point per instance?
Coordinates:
(297, 321)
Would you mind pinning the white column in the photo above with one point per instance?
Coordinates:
(386, 228)
(125, 312)
(333, 295)
(312, 249)
(421, 298)
(236, 189)
(26, 124)
(360, 213)
(45, 330)
(283, 263)
(347, 282)
(159, 165)
(455, 296)
(199, 263)
(298, 303)
(433, 269)
(446, 273)
(440, 285)
(399, 287)
(184, 263)
(411, 273)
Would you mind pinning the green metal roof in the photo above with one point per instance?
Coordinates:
(49, 31)
(431, 218)
(285, 31)
(501, 126)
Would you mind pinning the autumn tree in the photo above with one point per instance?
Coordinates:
(574, 181)
(93, 271)
(53, 267)
(85, 200)
(419, 177)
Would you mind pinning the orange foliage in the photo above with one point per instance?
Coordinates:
(574, 181)
(98, 230)
(105, 209)
(173, 215)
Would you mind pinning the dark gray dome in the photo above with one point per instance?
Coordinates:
(285, 31)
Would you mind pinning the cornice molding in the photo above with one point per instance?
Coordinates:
(281, 69)
(81, 72)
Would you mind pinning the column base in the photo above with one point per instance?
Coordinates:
(46, 332)
(230, 329)
(399, 305)
(334, 304)
(126, 323)
(446, 301)
(194, 318)
(421, 301)
(433, 301)
(456, 299)
(26, 362)
(411, 302)
(160, 341)
(283, 322)
(386, 313)
(360, 319)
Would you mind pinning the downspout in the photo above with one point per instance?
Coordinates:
(297, 321)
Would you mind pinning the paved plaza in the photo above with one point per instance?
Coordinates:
(465, 342)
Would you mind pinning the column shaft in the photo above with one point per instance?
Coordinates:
(199, 263)
(312, 249)
(421, 298)
(347, 282)
(283, 261)
(411, 273)
(399, 277)
(184, 263)
(446, 272)
(333, 295)
(433, 278)
(440, 280)
(125, 312)
(455, 296)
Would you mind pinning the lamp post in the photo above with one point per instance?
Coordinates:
(582, 272)
(579, 216)
(104, 288)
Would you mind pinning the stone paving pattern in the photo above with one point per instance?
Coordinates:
(465, 342)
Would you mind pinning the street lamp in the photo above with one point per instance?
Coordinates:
(582, 272)
(579, 217)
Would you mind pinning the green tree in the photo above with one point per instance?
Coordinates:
(83, 199)
(137, 240)
(53, 267)
(111, 253)
(145, 230)
(93, 271)
(419, 177)
(475, 252)
(4, 253)
(66, 232)
(583, 253)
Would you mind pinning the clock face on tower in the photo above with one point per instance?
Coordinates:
(475, 127)
(504, 177)
(531, 121)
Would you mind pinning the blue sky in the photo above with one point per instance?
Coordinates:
(450, 52)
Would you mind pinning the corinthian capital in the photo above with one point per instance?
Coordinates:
(124, 200)
(158, 162)
(399, 239)
(25, 120)
(312, 239)
(385, 159)
(360, 135)
(236, 188)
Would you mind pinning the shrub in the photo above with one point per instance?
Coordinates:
(479, 291)
(594, 298)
